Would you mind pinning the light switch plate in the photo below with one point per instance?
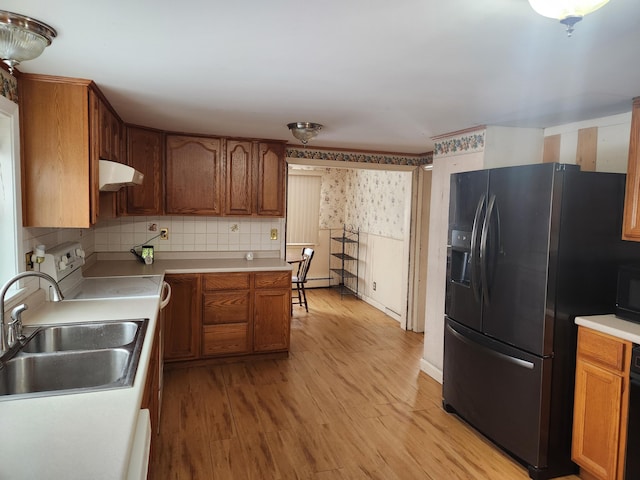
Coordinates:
(274, 234)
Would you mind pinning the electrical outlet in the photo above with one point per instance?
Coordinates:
(274, 234)
(164, 234)
(374, 286)
(28, 262)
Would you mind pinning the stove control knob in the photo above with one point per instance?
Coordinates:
(64, 263)
(80, 252)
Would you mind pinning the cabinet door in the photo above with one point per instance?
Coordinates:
(631, 223)
(57, 185)
(145, 150)
(110, 133)
(596, 419)
(239, 178)
(182, 318)
(193, 175)
(271, 180)
(272, 318)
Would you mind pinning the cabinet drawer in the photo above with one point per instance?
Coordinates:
(603, 349)
(273, 279)
(226, 307)
(225, 339)
(226, 281)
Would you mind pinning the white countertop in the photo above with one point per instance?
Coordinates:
(612, 325)
(89, 435)
(77, 436)
(160, 267)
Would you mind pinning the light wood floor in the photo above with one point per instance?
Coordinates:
(350, 402)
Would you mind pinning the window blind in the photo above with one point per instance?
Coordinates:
(303, 209)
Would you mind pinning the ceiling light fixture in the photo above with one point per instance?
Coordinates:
(22, 38)
(569, 12)
(304, 131)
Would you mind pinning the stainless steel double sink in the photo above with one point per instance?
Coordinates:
(73, 358)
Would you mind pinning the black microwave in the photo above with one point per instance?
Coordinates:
(628, 293)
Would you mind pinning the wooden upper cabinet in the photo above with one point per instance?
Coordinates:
(239, 174)
(271, 180)
(110, 134)
(145, 153)
(58, 121)
(193, 183)
(631, 223)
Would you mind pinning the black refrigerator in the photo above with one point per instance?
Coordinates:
(530, 248)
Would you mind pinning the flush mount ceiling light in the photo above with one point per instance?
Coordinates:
(569, 12)
(304, 131)
(22, 38)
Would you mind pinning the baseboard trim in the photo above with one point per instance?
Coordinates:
(431, 370)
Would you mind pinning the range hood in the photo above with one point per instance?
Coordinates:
(113, 176)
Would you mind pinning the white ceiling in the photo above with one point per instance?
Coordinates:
(383, 75)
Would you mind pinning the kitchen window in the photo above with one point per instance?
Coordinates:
(10, 204)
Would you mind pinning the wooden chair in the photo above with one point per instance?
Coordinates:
(300, 278)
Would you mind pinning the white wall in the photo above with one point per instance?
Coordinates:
(437, 256)
(506, 146)
(612, 146)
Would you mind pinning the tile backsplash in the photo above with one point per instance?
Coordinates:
(189, 234)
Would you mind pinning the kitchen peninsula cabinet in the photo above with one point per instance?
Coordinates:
(220, 315)
(631, 222)
(182, 318)
(193, 175)
(145, 153)
(61, 145)
(272, 317)
(601, 404)
(226, 313)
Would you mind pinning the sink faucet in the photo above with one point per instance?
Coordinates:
(56, 296)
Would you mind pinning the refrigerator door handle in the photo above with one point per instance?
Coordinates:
(475, 274)
(489, 351)
(484, 238)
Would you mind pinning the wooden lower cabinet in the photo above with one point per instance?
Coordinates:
(226, 313)
(182, 318)
(245, 312)
(601, 404)
(272, 318)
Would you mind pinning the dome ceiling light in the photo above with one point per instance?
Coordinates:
(569, 12)
(304, 131)
(22, 38)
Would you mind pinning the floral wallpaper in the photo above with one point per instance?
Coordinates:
(375, 201)
(332, 197)
(9, 86)
(371, 200)
(466, 143)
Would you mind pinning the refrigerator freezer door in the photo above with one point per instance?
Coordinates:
(517, 256)
(466, 214)
(499, 390)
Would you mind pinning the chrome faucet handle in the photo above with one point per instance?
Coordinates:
(16, 324)
(12, 334)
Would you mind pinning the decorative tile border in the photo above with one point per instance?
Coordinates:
(359, 157)
(9, 86)
(467, 143)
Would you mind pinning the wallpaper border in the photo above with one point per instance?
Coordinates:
(9, 86)
(359, 157)
(466, 143)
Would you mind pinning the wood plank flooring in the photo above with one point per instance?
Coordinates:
(350, 402)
